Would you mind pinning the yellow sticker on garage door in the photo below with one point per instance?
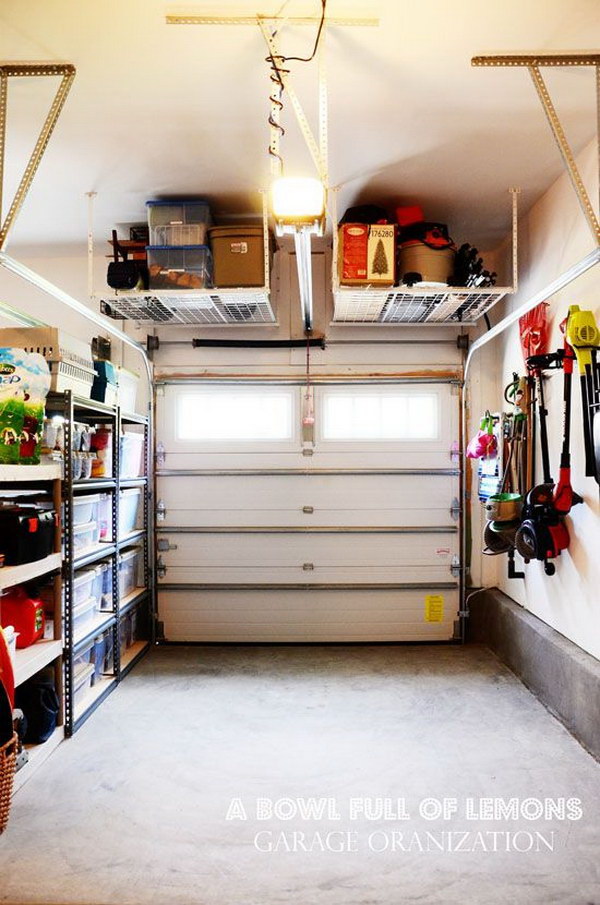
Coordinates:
(434, 608)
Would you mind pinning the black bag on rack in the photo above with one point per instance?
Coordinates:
(39, 702)
(125, 274)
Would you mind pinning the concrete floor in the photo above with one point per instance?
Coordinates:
(133, 809)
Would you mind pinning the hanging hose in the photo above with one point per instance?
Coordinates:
(276, 103)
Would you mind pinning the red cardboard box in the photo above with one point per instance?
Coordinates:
(367, 254)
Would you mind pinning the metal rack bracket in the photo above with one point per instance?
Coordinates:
(533, 62)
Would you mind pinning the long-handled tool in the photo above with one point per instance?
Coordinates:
(584, 336)
(543, 533)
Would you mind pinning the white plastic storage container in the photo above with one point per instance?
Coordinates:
(82, 586)
(83, 658)
(178, 222)
(95, 587)
(183, 267)
(83, 616)
(129, 571)
(132, 455)
(127, 389)
(104, 516)
(85, 508)
(106, 601)
(82, 684)
(85, 537)
(103, 649)
(129, 510)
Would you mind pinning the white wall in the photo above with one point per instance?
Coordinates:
(66, 267)
(552, 237)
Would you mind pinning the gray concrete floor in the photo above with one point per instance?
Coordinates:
(133, 809)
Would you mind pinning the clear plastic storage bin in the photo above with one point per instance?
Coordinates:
(129, 510)
(85, 537)
(183, 267)
(178, 222)
(102, 657)
(83, 616)
(82, 586)
(82, 684)
(85, 508)
(129, 571)
(83, 659)
(106, 601)
(132, 455)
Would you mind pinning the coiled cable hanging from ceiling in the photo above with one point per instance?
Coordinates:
(277, 62)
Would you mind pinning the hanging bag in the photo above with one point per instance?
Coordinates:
(484, 444)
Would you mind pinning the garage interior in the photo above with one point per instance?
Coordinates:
(320, 620)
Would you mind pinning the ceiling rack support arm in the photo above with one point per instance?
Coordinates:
(309, 138)
(67, 71)
(3, 112)
(251, 20)
(323, 106)
(566, 153)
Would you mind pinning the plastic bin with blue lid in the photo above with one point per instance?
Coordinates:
(179, 267)
(175, 222)
(103, 654)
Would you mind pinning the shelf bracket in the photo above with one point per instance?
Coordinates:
(19, 70)
(533, 62)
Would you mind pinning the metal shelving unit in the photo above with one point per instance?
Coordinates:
(73, 408)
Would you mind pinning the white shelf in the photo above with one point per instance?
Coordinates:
(31, 659)
(37, 755)
(358, 306)
(216, 307)
(50, 471)
(11, 575)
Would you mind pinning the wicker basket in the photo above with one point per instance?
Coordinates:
(8, 762)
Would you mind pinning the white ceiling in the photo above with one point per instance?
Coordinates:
(158, 110)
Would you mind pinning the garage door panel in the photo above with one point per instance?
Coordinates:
(307, 501)
(308, 558)
(289, 549)
(301, 615)
(296, 518)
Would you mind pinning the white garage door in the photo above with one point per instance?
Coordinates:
(327, 518)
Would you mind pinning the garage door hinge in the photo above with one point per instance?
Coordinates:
(161, 569)
(455, 509)
(160, 455)
(161, 511)
(456, 567)
(165, 545)
(455, 451)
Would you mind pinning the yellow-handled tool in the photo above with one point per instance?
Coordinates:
(584, 337)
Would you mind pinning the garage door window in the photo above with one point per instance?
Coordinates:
(380, 416)
(234, 416)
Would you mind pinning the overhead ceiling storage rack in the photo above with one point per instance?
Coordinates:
(423, 305)
(206, 307)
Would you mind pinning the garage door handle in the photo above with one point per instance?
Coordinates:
(308, 566)
(308, 509)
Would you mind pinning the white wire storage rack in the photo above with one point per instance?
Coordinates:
(435, 305)
(218, 307)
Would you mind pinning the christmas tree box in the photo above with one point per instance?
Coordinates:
(367, 254)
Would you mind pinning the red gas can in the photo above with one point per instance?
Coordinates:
(23, 612)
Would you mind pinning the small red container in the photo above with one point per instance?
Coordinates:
(23, 612)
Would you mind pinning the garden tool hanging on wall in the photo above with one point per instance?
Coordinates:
(543, 534)
(584, 336)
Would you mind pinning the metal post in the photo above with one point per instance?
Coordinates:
(3, 110)
(90, 243)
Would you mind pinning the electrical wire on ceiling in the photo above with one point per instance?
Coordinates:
(278, 62)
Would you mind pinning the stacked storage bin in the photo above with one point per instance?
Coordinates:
(178, 256)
